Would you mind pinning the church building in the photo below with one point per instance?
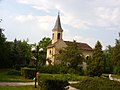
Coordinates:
(58, 43)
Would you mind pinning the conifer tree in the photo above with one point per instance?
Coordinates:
(96, 66)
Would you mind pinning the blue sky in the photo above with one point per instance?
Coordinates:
(82, 20)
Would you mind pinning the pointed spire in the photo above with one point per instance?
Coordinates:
(57, 26)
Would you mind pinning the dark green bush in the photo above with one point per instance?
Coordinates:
(97, 83)
(60, 69)
(14, 72)
(54, 69)
(52, 83)
(28, 73)
(116, 70)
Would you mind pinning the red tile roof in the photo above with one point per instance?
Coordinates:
(82, 46)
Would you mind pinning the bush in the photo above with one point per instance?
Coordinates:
(52, 83)
(97, 83)
(116, 70)
(28, 73)
(54, 69)
(14, 72)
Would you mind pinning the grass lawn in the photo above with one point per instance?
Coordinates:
(8, 75)
(18, 88)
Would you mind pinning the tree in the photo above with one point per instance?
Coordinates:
(116, 57)
(116, 53)
(43, 44)
(96, 66)
(108, 59)
(20, 53)
(2, 49)
(71, 56)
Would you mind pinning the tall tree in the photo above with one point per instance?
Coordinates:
(96, 66)
(2, 48)
(21, 53)
(43, 44)
(116, 53)
(71, 56)
(108, 59)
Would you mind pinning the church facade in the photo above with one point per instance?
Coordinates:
(58, 43)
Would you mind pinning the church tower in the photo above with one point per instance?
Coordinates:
(57, 31)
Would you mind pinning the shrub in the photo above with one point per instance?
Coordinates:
(52, 83)
(54, 69)
(97, 83)
(116, 70)
(28, 73)
(14, 72)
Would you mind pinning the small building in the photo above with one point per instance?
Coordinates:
(58, 43)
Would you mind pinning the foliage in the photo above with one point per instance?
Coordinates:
(14, 72)
(112, 56)
(20, 53)
(43, 44)
(59, 69)
(52, 83)
(97, 83)
(54, 69)
(2, 49)
(116, 69)
(108, 60)
(116, 53)
(28, 73)
(70, 56)
(68, 77)
(96, 66)
(11, 75)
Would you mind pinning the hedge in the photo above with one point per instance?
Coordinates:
(97, 83)
(28, 73)
(52, 83)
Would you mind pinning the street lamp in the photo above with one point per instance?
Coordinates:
(36, 51)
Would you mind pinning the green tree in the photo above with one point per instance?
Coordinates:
(96, 66)
(116, 57)
(71, 56)
(2, 48)
(108, 59)
(20, 53)
(43, 44)
(116, 53)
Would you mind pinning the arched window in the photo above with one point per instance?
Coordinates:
(53, 36)
(50, 52)
(58, 37)
(86, 57)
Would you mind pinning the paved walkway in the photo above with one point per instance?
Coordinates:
(115, 79)
(28, 83)
(16, 83)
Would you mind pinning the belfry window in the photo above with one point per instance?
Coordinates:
(58, 37)
(53, 36)
(50, 52)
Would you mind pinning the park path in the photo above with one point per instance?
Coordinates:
(27, 83)
(115, 79)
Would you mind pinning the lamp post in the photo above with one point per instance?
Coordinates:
(37, 50)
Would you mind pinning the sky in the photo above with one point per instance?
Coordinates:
(85, 21)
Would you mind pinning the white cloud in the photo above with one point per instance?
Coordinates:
(43, 22)
(44, 5)
(81, 15)
(24, 18)
(108, 17)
